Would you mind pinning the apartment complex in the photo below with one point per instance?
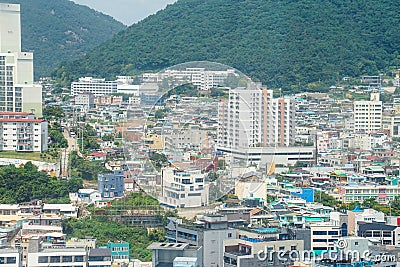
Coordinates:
(202, 78)
(368, 115)
(21, 133)
(101, 87)
(17, 91)
(97, 87)
(256, 128)
(251, 117)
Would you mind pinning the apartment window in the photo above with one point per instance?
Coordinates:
(78, 258)
(319, 232)
(11, 260)
(54, 258)
(229, 235)
(2, 261)
(43, 259)
(66, 258)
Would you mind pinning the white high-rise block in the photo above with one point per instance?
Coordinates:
(17, 92)
(251, 117)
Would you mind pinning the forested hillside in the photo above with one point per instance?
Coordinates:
(61, 31)
(283, 43)
(26, 183)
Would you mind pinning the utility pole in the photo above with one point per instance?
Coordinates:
(82, 138)
(316, 147)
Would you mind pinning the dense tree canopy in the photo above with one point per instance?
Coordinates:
(104, 231)
(57, 139)
(297, 45)
(27, 183)
(87, 170)
(53, 113)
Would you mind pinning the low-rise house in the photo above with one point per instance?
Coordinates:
(111, 185)
(67, 210)
(81, 243)
(382, 233)
(119, 251)
(99, 257)
(36, 229)
(40, 256)
(97, 156)
(85, 195)
(130, 185)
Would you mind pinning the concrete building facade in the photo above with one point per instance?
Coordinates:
(368, 115)
(23, 135)
(111, 185)
(97, 87)
(17, 91)
(251, 117)
(184, 189)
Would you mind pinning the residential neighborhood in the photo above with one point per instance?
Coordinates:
(195, 165)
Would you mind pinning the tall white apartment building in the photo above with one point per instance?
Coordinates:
(184, 189)
(368, 115)
(251, 117)
(17, 91)
(23, 134)
(97, 87)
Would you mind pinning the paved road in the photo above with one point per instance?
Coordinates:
(64, 163)
(72, 146)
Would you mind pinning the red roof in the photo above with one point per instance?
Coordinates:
(20, 120)
(97, 154)
(373, 158)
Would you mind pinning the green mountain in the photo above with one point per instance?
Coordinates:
(61, 30)
(283, 43)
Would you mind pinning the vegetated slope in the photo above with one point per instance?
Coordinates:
(26, 183)
(283, 43)
(61, 31)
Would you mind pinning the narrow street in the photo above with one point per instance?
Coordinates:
(64, 159)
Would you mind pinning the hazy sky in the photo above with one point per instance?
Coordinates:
(126, 11)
